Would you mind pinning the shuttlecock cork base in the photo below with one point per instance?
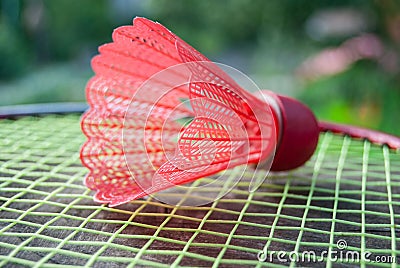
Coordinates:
(299, 132)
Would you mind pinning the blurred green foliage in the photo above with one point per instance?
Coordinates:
(14, 53)
(46, 46)
(55, 83)
(72, 24)
(216, 25)
(364, 95)
(36, 32)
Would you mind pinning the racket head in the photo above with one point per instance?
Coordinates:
(349, 190)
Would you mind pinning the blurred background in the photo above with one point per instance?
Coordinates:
(340, 57)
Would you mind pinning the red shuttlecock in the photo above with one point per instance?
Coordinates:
(147, 82)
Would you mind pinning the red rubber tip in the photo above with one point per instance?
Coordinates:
(299, 135)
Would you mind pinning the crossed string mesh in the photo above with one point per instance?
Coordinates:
(350, 190)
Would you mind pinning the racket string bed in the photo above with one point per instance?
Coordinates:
(348, 191)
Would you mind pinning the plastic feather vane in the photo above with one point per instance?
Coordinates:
(146, 81)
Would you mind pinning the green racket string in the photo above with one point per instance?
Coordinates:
(349, 190)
